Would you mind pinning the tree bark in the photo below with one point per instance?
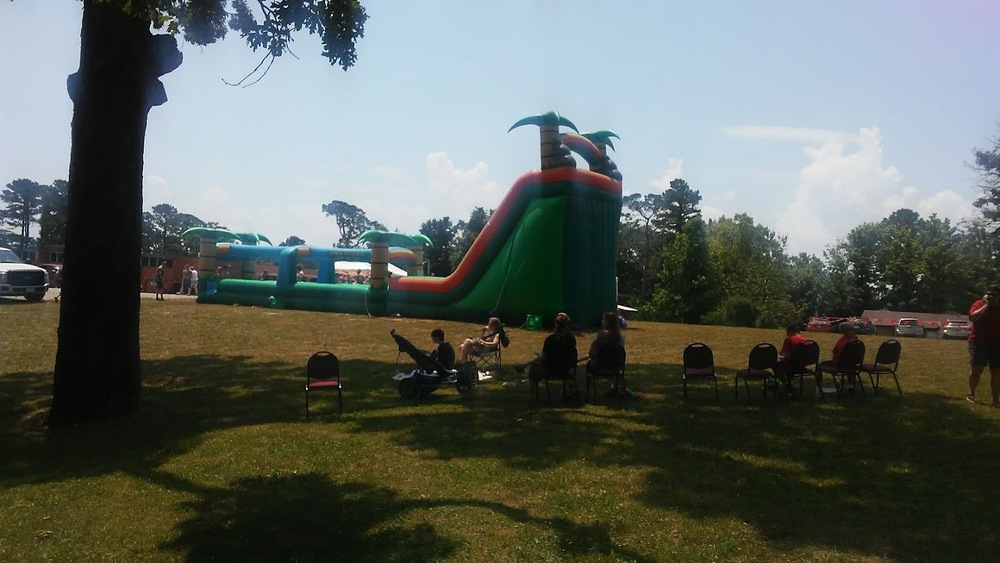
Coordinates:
(97, 370)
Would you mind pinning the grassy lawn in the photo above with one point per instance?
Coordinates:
(220, 463)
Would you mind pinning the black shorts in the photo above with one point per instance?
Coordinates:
(984, 355)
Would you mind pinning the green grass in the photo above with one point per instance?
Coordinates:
(220, 463)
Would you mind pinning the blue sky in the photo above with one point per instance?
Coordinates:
(809, 116)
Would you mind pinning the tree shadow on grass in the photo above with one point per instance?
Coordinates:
(183, 398)
(308, 517)
(908, 478)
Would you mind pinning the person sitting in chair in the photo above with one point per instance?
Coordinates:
(439, 361)
(792, 339)
(847, 329)
(610, 336)
(557, 345)
(486, 343)
(605, 342)
(443, 353)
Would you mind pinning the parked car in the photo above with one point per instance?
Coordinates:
(909, 327)
(955, 329)
(863, 326)
(819, 324)
(18, 279)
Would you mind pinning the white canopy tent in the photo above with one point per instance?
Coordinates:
(348, 267)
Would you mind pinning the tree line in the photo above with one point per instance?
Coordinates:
(672, 264)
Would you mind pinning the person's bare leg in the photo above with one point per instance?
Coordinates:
(464, 351)
(974, 375)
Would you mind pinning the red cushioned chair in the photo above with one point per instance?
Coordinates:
(323, 372)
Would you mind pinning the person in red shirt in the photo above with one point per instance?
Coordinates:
(847, 329)
(984, 343)
(792, 339)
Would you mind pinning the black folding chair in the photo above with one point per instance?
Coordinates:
(699, 363)
(848, 366)
(803, 362)
(760, 367)
(609, 364)
(886, 363)
(560, 367)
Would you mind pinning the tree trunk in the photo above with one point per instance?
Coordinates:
(97, 370)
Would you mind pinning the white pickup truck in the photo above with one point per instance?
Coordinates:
(18, 279)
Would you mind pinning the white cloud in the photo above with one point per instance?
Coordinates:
(716, 206)
(395, 197)
(845, 182)
(155, 190)
(675, 169)
(782, 133)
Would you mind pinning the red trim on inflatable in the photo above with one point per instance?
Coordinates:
(554, 175)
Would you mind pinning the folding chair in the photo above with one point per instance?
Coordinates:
(609, 364)
(493, 357)
(848, 366)
(323, 372)
(803, 362)
(558, 368)
(699, 363)
(760, 367)
(886, 363)
(490, 358)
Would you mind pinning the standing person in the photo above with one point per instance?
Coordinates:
(984, 343)
(194, 281)
(792, 339)
(186, 281)
(159, 283)
(847, 329)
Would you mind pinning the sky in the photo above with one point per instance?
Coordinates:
(811, 117)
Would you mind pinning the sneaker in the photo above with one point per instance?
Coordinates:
(519, 369)
(818, 392)
(970, 398)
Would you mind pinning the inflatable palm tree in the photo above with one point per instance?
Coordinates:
(602, 140)
(380, 241)
(553, 153)
(206, 248)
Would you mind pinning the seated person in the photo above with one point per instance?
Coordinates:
(610, 336)
(792, 339)
(557, 346)
(847, 329)
(444, 353)
(438, 361)
(489, 341)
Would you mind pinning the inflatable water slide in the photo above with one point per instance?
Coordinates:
(550, 246)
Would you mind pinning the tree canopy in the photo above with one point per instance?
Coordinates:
(23, 199)
(351, 221)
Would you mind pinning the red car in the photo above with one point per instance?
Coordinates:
(819, 324)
